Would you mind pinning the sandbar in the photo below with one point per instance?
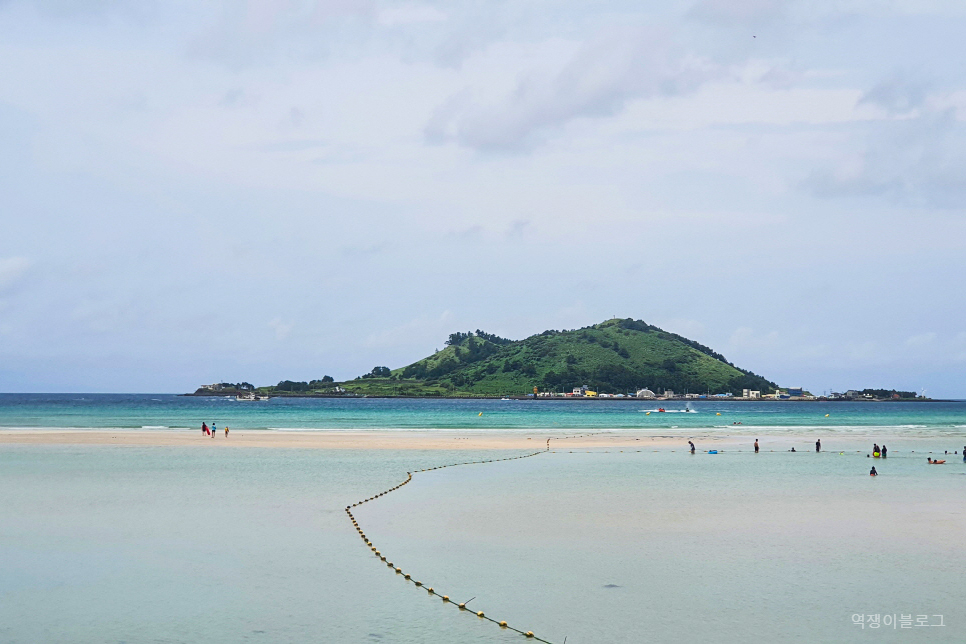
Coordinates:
(410, 439)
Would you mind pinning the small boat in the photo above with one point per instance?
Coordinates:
(660, 409)
(250, 397)
(504, 398)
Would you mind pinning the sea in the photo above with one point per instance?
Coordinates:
(172, 412)
(112, 543)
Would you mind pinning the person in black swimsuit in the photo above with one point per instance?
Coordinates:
(692, 446)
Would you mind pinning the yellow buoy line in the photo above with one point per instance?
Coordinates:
(429, 589)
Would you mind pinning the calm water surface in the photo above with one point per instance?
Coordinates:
(164, 411)
(125, 544)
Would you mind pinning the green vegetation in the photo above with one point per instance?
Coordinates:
(611, 357)
(226, 388)
(890, 394)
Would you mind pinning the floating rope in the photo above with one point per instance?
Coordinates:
(429, 589)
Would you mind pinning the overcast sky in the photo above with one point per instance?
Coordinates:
(196, 192)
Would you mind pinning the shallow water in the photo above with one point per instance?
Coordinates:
(163, 411)
(110, 544)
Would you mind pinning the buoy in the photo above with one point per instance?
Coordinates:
(502, 624)
(429, 589)
(479, 614)
(826, 415)
(407, 576)
(445, 598)
(463, 606)
(718, 414)
(529, 633)
(481, 413)
(418, 583)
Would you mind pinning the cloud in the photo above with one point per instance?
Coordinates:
(746, 338)
(741, 13)
(619, 64)
(281, 329)
(900, 93)
(421, 330)
(12, 271)
(261, 32)
(921, 340)
(408, 14)
(919, 161)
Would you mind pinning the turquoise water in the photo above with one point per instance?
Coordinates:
(130, 544)
(165, 411)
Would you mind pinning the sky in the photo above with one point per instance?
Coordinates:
(286, 189)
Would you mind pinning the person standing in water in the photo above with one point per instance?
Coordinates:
(818, 445)
(872, 472)
(883, 451)
(692, 446)
(756, 446)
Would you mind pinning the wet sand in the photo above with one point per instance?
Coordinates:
(443, 440)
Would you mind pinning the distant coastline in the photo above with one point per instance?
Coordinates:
(732, 399)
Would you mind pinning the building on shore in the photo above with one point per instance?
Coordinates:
(645, 393)
(750, 393)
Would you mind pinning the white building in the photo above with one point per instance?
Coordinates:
(646, 393)
(750, 393)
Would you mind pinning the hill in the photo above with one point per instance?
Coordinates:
(610, 357)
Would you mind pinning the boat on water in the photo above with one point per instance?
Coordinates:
(250, 397)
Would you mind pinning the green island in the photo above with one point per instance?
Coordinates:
(615, 359)
(620, 356)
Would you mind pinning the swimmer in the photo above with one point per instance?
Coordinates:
(792, 449)
(884, 451)
(872, 472)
